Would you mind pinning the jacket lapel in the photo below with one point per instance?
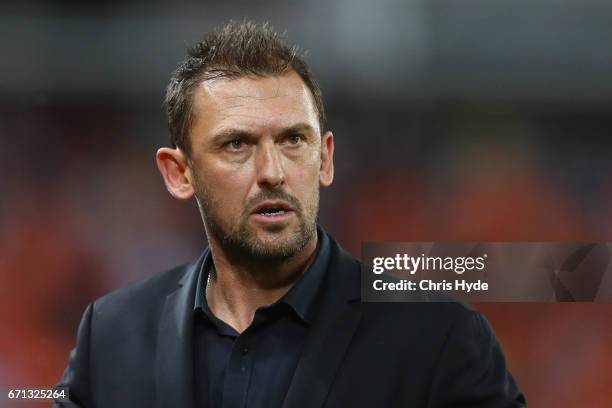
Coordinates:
(174, 357)
(337, 319)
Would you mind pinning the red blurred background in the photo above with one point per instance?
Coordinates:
(485, 122)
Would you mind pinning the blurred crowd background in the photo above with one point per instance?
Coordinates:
(453, 120)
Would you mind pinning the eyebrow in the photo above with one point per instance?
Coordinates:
(229, 134)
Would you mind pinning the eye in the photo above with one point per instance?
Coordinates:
(235, 144)
(295, 138)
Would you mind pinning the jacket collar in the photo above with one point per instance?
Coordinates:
(174, 357)
(336, 320)
(337, 317)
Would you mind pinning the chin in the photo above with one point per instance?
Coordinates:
(277, 245)
(271, 252)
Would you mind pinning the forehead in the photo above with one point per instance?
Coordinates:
(253, 103)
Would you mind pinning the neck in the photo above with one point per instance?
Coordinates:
(238, 288)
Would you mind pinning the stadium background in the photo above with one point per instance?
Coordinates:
(471, 120)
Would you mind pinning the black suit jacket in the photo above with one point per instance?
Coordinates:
(134, 349)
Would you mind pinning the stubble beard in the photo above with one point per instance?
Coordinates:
(240, 239)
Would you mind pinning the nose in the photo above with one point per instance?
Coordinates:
(270, 174)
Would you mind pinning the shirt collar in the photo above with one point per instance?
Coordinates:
(301, 296)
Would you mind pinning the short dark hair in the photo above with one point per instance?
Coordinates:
(238, 49)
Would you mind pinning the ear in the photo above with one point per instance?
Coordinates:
(172, 164)
(326, 174)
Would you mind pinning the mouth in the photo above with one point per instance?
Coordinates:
(272, 210)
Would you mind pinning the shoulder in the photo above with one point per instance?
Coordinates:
(431, 312)
(144, 295)
(439, 317)
(426, 304)
(440, 337)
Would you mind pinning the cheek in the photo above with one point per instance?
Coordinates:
(307, 178)
(307, 165)
(228, 188)
(314, 170)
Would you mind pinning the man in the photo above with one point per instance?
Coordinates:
(269, 315)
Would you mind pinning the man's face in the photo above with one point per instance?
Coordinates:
(256, 161)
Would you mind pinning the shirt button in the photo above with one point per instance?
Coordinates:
(244, 350)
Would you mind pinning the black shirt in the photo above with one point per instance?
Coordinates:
(254, 368)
